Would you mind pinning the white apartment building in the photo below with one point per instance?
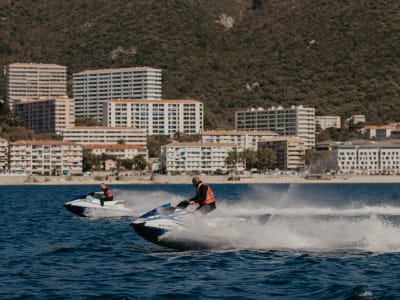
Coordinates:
(201, 157)
(102, 135)
(119, 151)
(328, 121)
(92, 88)
(289, 152)
(246, 139)
(45, 157)
(157, 116)
(24, 81)
(296, 121)
(3, 155)
(46, 115)
(371, 158)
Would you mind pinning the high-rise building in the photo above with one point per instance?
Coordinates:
(26, 81)
(93, 87)
(157, 116)
(50, 115)
(296, 121)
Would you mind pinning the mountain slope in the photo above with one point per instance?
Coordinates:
(341, 57)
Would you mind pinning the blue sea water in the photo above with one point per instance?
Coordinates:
(314, 241)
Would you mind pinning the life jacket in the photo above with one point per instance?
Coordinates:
(108, 193)
(210, 196)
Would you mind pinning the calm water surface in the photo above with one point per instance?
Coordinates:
(310, 241)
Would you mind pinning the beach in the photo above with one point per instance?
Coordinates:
(186, 179)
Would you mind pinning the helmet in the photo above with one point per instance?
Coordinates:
(196, 180)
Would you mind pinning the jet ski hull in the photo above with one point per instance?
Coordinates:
(87, 206)
(168, 228)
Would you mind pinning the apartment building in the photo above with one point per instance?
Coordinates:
(328, 122)
(371, 158)
(25, 81)
(3, 156)
(92, 88)
(296, 121)
(102, 135)
(200, 157)
(120, 151)
(289, 152)
(246, 139)
(50, 115)
(45, 157)
(157, 116)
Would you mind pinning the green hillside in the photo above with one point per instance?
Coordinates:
(340, 56)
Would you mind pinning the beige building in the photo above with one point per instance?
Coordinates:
(46, 115)
(156, 116)
(247, 139)
(45, 157)
(119, 151)
(296, 121)
(24, 81)
(102, 135)
(3, 156)
(91, 88)
(200, 157)
(328, 121)
(289, 152)
(378, 132)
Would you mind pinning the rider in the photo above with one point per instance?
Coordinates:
(106, 191)
(204, 197)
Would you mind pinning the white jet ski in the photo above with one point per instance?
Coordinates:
(175, 228)
(88, 206)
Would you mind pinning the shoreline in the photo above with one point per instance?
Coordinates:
(10, 180)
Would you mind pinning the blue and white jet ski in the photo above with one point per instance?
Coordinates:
(90, 206)
(175, 228)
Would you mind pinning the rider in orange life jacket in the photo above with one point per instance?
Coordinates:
(106, 191)
(204, 197)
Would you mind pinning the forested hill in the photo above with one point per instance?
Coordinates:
(340, 56)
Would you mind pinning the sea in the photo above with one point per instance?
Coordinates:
(283, 241)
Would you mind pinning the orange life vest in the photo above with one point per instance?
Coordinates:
(210, 196)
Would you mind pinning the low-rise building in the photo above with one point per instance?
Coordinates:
(102, 135)
(378, 132)
(246, 139)
(367, 157)
(289, 152)
(119, 151)
(199, 157)
(3, 155)
(45, 157)
(328, 122)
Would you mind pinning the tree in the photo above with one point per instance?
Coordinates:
(249, 156)
(232, 159)
(154, 143)
(266, 159)
(127, 164)
(139, 162)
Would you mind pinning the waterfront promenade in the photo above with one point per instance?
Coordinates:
(168, 179)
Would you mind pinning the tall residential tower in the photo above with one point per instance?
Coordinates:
(27, 81)
(92, 88)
